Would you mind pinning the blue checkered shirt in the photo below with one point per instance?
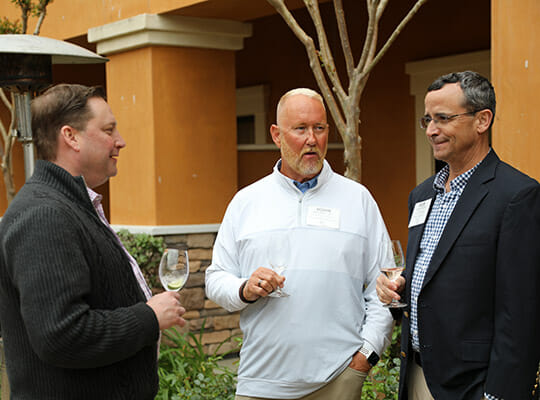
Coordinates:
(438, 217)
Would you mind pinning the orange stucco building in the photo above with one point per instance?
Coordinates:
(183, 75)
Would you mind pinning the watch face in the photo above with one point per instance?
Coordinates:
(373, 358)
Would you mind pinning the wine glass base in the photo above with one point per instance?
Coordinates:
(395, 304)
(279, 293)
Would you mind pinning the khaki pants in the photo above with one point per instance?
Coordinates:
(347, 386)
(416, 383)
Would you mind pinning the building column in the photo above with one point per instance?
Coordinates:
(171, 85)
(515, 60)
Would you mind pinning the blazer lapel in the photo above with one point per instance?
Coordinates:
(416, 232)
(471, 197)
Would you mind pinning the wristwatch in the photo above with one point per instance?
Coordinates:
(371, 356)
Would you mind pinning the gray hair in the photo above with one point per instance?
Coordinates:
(477, 90)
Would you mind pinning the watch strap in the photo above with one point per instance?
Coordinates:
(371, 356)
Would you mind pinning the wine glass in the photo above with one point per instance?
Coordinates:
(277, 253)
(392, 265)
(174, 269)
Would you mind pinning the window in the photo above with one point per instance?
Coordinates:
(251, 120)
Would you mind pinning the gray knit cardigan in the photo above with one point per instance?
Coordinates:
(74, 320)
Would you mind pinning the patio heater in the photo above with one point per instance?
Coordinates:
(26, 68)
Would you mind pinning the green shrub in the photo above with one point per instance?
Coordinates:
(147, 250)
(187, 373)
(383, 379)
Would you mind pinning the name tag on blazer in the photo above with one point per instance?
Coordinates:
(420, 212)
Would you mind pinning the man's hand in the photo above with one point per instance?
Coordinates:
(360, 363)
(388, 290)
(168, 309)
(261, 283)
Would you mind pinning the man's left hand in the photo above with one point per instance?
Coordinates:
(360, 363)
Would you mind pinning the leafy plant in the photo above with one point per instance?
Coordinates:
(186, 372)
(147, 250)
(7, 26)
(383, 379)
(29, 8)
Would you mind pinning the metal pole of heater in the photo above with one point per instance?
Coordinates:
(24, 131)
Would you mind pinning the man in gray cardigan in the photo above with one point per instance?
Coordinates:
(78, 321)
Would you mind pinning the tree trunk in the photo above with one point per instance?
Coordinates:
(353, 157)
(8, 183)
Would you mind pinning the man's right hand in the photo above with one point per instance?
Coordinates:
(168, 309)
(261, 283)
(388, 290)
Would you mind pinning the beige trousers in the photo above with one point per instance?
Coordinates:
(416, 383)
(347, 386)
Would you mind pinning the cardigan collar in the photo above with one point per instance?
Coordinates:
(56, 177)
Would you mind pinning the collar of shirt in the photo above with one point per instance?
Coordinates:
(95, 198)
(303, 186)
(457, 184)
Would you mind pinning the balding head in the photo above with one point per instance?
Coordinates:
(295, 92)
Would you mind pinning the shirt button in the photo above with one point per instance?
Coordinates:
(402, 354)
(406, 314)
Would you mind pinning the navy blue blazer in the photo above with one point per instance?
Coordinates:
(478, 309)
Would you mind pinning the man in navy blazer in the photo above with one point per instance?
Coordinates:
(471, 327)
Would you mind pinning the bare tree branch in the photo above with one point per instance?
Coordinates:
(314, 62)
(24, 5)
(9, 106)
(9, 141)
(326, 54)
(369, 34)
(344, 36)
(5, 100)
(42, 11)
(380, 9)
(394, 36)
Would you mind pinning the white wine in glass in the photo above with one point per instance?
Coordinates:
(278, 252)
(174, 269)
(393, 265)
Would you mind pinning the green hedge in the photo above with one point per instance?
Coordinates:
(147, 250)
(383, 380)
(187, 373)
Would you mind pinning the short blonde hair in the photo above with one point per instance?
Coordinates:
(298, 91)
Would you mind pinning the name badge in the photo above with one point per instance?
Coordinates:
(420, 213)
(323, 217)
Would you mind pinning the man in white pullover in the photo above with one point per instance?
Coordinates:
(320, 341)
